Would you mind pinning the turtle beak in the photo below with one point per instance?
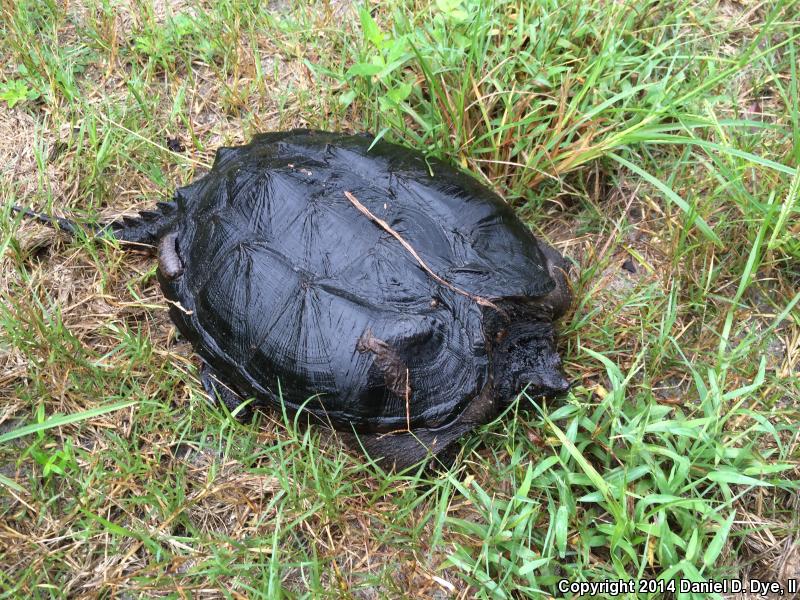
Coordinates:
(548, 384)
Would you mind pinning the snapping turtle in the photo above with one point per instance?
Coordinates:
(387, 294)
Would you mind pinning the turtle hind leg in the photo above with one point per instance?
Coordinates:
(217, 389)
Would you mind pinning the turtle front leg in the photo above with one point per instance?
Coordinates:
(558, 301)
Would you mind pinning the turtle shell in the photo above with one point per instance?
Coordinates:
(300, 297)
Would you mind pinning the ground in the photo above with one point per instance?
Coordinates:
(655, 144)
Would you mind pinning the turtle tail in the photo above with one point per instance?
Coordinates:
(144, 228)
(55, 222)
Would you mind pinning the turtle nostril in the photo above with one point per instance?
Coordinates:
(561, 385)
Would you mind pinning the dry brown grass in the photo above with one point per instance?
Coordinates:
(230, 506)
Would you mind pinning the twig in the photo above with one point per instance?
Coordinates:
(408, 400)
(385, 226)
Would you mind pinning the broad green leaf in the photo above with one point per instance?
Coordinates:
(364, 69)
(10, 483)
(347, 98)
(726, 476)
(544, 465)
(718, 541)
(534, 564)
(561, 528)
(692, 546)
(370, 28)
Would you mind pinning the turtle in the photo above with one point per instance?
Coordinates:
(372, 288)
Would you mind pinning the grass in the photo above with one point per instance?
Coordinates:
(656, 144)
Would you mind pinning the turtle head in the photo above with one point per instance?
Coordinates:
(525, 358)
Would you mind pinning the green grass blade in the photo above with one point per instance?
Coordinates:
(60, 420)
(671, 195)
